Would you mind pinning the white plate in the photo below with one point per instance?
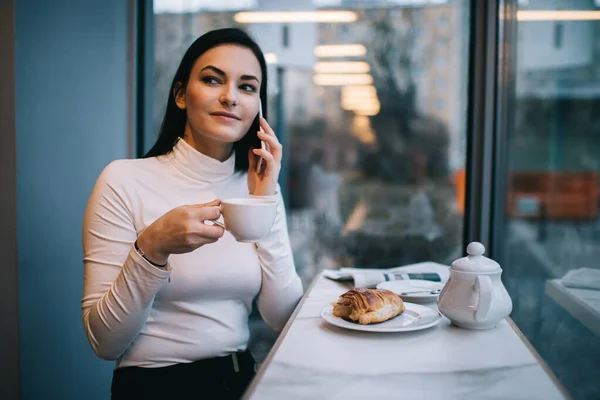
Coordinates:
(413, 285)
(415, 317)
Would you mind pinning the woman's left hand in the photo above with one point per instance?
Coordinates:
(264, 182)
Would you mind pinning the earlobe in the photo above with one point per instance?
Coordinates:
(179, 95)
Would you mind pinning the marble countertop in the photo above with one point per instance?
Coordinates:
(583, 304)
(315, 360)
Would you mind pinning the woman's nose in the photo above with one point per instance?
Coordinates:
(229, 96)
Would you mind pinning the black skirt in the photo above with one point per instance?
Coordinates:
(215, 378)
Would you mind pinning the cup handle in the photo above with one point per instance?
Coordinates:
(483, 284)
(218, 223)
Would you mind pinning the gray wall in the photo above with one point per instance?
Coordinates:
(9, 334)
(71, 117)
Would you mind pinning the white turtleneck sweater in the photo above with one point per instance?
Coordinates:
(198, 306)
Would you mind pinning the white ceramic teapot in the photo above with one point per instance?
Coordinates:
(474, 296)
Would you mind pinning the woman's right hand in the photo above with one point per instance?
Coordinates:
(181, 230)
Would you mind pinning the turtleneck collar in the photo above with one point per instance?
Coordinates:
(200, 166)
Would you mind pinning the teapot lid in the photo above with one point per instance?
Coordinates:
(475, 261)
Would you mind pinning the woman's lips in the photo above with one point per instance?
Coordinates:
(225, 116)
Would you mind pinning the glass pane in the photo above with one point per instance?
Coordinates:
(550, 243)
(372, 116)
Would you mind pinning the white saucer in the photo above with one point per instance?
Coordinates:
(415, 317)
(413, 285)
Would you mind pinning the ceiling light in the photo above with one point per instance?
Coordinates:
(340, 50)
(361, 129)
(342, 79)
(367, 112)
(256, 17)
(357, 67)
(271, 58)
(361, 105)
(359, 91)
(359, 97)
(557, 15)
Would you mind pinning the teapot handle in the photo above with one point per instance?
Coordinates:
(483, 285)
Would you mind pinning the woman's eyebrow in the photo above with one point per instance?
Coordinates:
(222, 73)
(214, 69)
(249, 78)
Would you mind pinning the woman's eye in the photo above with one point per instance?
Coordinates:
(210, 80)
(248, 88)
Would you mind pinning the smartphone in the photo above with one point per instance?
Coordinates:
(263, 145)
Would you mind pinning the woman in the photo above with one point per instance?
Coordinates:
(167, 293)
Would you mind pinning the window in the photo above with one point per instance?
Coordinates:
(285, 36)
(361, 155)
(558, 35)
(443, 42)
(370, 178)
(367, 148)
(441, 63)
(442, 22)
(440, 83)
(549, 228)
(440, 104)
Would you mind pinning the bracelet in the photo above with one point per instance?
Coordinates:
(141, 253)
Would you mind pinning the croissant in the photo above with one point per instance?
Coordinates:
(368, 306)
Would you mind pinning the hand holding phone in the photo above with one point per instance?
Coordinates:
(263, 145)
(265, 161)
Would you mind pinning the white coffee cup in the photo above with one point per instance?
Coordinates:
(248, 219)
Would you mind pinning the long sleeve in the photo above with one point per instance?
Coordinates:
(281, 286)
(119, 285)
